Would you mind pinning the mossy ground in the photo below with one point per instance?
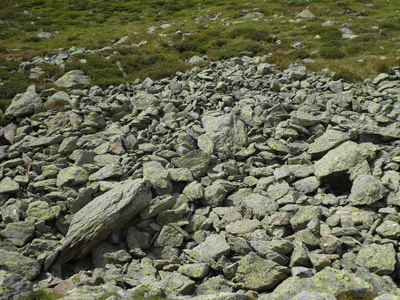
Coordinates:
(218, 29)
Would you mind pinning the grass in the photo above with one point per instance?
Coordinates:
(218, 29)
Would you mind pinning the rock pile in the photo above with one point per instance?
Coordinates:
(228, 182)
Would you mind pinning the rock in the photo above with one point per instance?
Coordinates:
(72, 176)
(225, 131)
(19, 233)
(140, 273)
(45, 35)
(194, 60)
(142, 100)
(158, 176)
(346, 159)
(330, 282)
(169, 236)
(304, 215)
(106, 172)
(75, 79)
(199, 270)
(13, 286)
(177, 284)
(211, 249)
(379, 259)
(196, 161)
(329, 140)
(259, 274)
(68, 145)
(57, 101)
(104, 214)
(7, 185)
(366, 190)
(15, 262)
(241, 227)
(389, 229)
(23, 104)
(305, 14)
(259, 205)
(214, 195)
(194, 191)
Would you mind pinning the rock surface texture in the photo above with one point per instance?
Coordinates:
(234, 181)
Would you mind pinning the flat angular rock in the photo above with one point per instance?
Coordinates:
(344, 159)
(19, 233)
(389, 229)
(329, 140)
(72, 176)
(259, 274)
(225, 130)
(379, 259)
(7, 185)
(211, 249)
(108, 171)
(104, 214)
(195, 161)
(14, 286)
(366, 190)
(304, 215)
(199, 270)
(75, 79)
(177, 284)
(158, 176)
(330, 282)
(23, 104)
(15, 262)
(259, 205)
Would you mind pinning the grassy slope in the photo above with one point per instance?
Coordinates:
(93, 23)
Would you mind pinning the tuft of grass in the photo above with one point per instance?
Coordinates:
(347, 75)
(42, 295)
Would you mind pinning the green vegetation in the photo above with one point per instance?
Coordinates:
(42, 295)
(218, 29)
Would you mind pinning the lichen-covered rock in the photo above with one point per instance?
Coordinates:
(23, 104)
(259, 205)
(214, 195)
(198, 270)
(15, 262)
(379, 259)
(19, 233)
(142, 272)
(158, 176)
(389, 229)
(72, 176)
(225, 131)
(195, 161)
(259, 274)
(169, 236)
(194, 191)
(330, 282)
(14, 286)
(329, 140)
(108, 171)
(304, 215)
(75, 79)
(104, 214)
(346, 159)
(211, 249)
(40, 210)
(177, 284)
(366, 190)
(7, 185)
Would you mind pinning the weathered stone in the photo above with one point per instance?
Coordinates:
(211, 249)
(259, 274)
(199, 270)
(389, 229)
(379, 259)
(195, 161)
(15, 262)
(177, 284)
(259, 205)
(106, 172)
(366, 190)
(194, 191)
(23, 104)
(103, 215)
(243, 226)
(7, 185)
(75, 79)
(158, 176)
(169, 236)
(13, 286)
(19, 233)
(72, 176)
(304, 215)
(214, 195)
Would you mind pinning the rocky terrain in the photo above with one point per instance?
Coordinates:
(234, 181)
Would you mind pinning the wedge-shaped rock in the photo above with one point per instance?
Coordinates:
(259, 274)
(103, 215)
(23, 104)
(331, 282)
(15, 262)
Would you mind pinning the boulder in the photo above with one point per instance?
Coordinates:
(23, 104)
(75, 79)
(15, 262)
(103, 215)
